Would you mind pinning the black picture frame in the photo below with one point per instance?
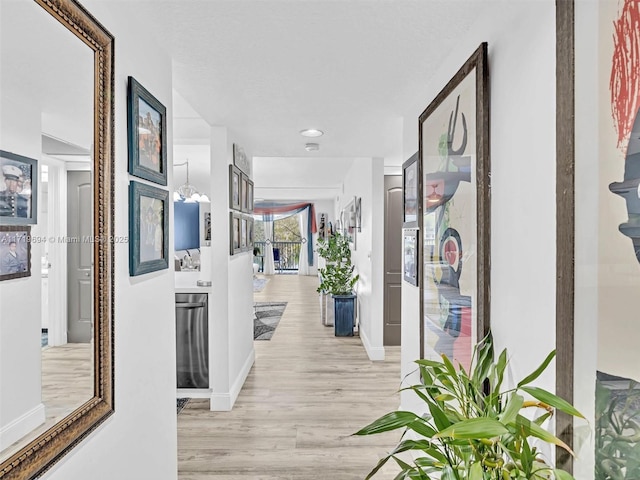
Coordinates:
(411, 257)
(249, 196)
(455, 235)
(148, 211)
(15, 252)
(244, 233)
(18, 189)
(235, 188)
(234, 233)
(250, 234)
(147, 134)
(240, 160)
(411, 192)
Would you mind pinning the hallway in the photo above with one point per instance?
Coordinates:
(306, 393)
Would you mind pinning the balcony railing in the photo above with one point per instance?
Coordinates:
(289, 255)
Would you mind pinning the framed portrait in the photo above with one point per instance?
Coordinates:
(18, 189)
(15, 252)
(235, 188)
(148, 229)
(147, 134)
(235, 233)
(410, 248)
(240, 160)
(455, 217)
(410, 193)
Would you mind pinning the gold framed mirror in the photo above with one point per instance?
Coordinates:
(36, 455)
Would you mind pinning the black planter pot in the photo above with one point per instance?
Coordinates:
(345, 314)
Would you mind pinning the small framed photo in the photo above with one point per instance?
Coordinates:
(18, 189)
(235, 188)
(244, 233)
(410, 194)
(250, 234)
(147, 134)
(410, 254)
(234, 233)
(244, 190)
(249, 196)
(15, 252)
(148, 229)
(240, 160)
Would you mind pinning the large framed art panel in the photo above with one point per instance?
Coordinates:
(454, 166)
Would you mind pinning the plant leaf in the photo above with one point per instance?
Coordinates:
(538, 371)
(512, 409)
(553, 400)
(422, 428)
(439, 417)
(475, 472)
(562, 475)
(535, 430)
(474, 428)
(378, 467)
(390, 421)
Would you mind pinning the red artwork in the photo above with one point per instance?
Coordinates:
(625, 70)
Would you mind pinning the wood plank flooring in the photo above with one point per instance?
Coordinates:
(306, 394)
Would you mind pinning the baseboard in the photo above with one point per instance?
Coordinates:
(223, 402)
(376, 354)
(193, 393)
(21, 426)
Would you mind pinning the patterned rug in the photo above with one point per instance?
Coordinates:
(259, 284)
(181, 403)
(266, 319)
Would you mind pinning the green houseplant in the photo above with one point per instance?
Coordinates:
(474, 430)
(337, 279)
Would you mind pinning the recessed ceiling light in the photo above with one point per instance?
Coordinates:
(311, 147)
(311, 132)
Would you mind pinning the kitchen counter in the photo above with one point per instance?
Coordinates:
(186, 282)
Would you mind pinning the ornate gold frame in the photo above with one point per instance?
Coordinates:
(40, 454)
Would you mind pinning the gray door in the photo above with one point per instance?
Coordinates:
(392, 258)
(79, 257)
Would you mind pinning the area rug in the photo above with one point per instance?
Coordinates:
(266, 319)
(181, 403)
(259, 284)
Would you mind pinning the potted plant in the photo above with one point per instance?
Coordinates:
(337, 279)
(475, 430)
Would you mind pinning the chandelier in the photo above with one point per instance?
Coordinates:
(187, 192)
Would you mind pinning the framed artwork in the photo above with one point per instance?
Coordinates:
(244, 193)
(410, 248)
(235, 188)
(234, 233)
(410, 191)
(18, 189)
(15, 252)
(148, 229)
(240, 160)
(244, 233)
(147, 134)
(250, 234)
(249, 196)
(455, 220)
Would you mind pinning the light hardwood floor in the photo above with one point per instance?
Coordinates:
(306, 394)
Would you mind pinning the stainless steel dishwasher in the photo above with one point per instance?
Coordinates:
(192, 340)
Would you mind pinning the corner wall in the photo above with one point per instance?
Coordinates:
(522, 112)
(365, 179)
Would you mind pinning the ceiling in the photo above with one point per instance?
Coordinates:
(267, 69)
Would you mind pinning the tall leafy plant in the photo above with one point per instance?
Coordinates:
(337, 277)
(474, 430)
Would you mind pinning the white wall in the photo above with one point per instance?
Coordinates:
(231, 339)
(140, 439)
(522, 112)
(20, 299)
(365, 179)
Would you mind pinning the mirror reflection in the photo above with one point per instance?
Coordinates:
(46, 316)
